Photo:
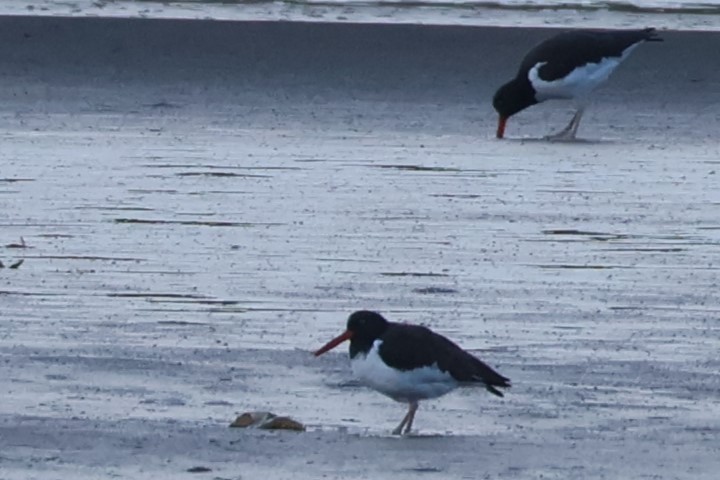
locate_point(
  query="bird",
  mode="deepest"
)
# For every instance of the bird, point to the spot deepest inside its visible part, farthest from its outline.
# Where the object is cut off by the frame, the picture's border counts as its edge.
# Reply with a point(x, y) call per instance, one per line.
point(409, 363)
point(569, 65)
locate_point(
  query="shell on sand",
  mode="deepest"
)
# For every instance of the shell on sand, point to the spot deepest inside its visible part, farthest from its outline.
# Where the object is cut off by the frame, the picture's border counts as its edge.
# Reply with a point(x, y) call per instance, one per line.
point(266, 421)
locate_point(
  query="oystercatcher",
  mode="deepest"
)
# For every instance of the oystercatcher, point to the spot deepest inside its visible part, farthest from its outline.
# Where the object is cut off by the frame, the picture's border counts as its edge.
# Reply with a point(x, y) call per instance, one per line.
point(409, 363)
point(569, 65)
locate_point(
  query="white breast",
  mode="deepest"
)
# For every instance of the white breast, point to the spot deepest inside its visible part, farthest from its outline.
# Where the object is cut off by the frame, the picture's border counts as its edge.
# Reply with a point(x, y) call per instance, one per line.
point(402, 386)
point(580, 82)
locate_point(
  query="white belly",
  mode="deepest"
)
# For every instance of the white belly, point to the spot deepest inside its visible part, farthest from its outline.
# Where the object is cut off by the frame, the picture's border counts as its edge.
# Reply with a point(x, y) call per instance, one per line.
point(402, 386)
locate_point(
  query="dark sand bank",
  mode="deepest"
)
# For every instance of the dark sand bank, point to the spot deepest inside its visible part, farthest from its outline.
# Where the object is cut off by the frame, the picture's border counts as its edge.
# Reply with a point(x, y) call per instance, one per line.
point(202, 204)
point(250, 70)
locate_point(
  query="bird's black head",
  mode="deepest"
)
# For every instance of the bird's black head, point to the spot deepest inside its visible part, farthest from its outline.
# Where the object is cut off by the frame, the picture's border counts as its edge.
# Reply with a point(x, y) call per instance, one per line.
point(514, 96)
point(363, 328)
point(366, 324)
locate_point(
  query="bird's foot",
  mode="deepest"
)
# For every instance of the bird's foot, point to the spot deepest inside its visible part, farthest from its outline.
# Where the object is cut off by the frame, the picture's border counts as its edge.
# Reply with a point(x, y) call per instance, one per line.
point(566, 135)
point(400, 431)
point(403, 425)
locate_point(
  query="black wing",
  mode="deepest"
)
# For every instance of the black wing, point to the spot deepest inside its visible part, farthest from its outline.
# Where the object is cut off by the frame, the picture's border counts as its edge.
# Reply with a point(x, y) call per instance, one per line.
point(567, 51)
point(407, 347)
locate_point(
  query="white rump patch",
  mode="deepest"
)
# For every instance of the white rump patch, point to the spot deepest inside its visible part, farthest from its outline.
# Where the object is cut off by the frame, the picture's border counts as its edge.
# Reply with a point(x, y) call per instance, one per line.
point(402, 386)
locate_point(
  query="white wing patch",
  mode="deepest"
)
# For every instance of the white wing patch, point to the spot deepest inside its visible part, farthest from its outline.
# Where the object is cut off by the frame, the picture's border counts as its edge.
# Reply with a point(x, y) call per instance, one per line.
point(402, 386)
point(580, 82)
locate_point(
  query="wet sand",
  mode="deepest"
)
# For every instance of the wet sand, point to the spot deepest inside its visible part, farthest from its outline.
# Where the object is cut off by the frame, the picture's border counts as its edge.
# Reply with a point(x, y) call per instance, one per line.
point(678, 15)
point(202, 204)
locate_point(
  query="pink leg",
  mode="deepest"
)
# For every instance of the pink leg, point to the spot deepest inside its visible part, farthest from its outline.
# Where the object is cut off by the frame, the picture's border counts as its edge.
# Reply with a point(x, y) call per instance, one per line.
point(407, 420)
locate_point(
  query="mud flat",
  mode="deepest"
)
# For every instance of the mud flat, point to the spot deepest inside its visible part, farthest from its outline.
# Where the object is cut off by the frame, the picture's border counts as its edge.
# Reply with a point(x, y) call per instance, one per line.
point(200, 204)
point(665, 14)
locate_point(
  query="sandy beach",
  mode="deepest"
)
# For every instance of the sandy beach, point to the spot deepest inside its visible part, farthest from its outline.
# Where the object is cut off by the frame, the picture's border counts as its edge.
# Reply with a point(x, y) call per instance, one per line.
point(198, 205)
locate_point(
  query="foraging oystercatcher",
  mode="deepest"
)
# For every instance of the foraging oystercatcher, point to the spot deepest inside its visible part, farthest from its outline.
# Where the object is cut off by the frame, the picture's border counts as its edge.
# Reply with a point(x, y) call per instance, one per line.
point(409, 363)
point(569, 65)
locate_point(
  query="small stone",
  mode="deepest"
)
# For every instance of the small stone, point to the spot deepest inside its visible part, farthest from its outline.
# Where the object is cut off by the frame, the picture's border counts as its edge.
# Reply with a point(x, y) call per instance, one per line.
point(266, 421)
point(250, 419)
point(283, 423)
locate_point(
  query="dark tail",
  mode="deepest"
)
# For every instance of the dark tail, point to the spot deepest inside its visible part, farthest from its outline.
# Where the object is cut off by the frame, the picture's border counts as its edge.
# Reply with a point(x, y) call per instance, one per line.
point(650, 35)
point(490, 378)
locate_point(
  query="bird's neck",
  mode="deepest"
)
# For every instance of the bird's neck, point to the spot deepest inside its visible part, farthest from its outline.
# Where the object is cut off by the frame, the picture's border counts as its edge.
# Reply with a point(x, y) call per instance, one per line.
point(360, 346)
point(524, 90)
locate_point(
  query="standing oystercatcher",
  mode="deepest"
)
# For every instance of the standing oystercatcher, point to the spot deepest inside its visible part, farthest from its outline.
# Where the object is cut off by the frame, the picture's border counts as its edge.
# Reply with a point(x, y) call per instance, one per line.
point(409, 363)
point(569, 65)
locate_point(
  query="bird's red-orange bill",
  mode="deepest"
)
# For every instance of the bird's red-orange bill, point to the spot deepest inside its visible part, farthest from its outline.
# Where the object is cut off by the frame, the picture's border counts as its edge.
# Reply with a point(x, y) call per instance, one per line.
point(346, 335)
point(501, 127)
